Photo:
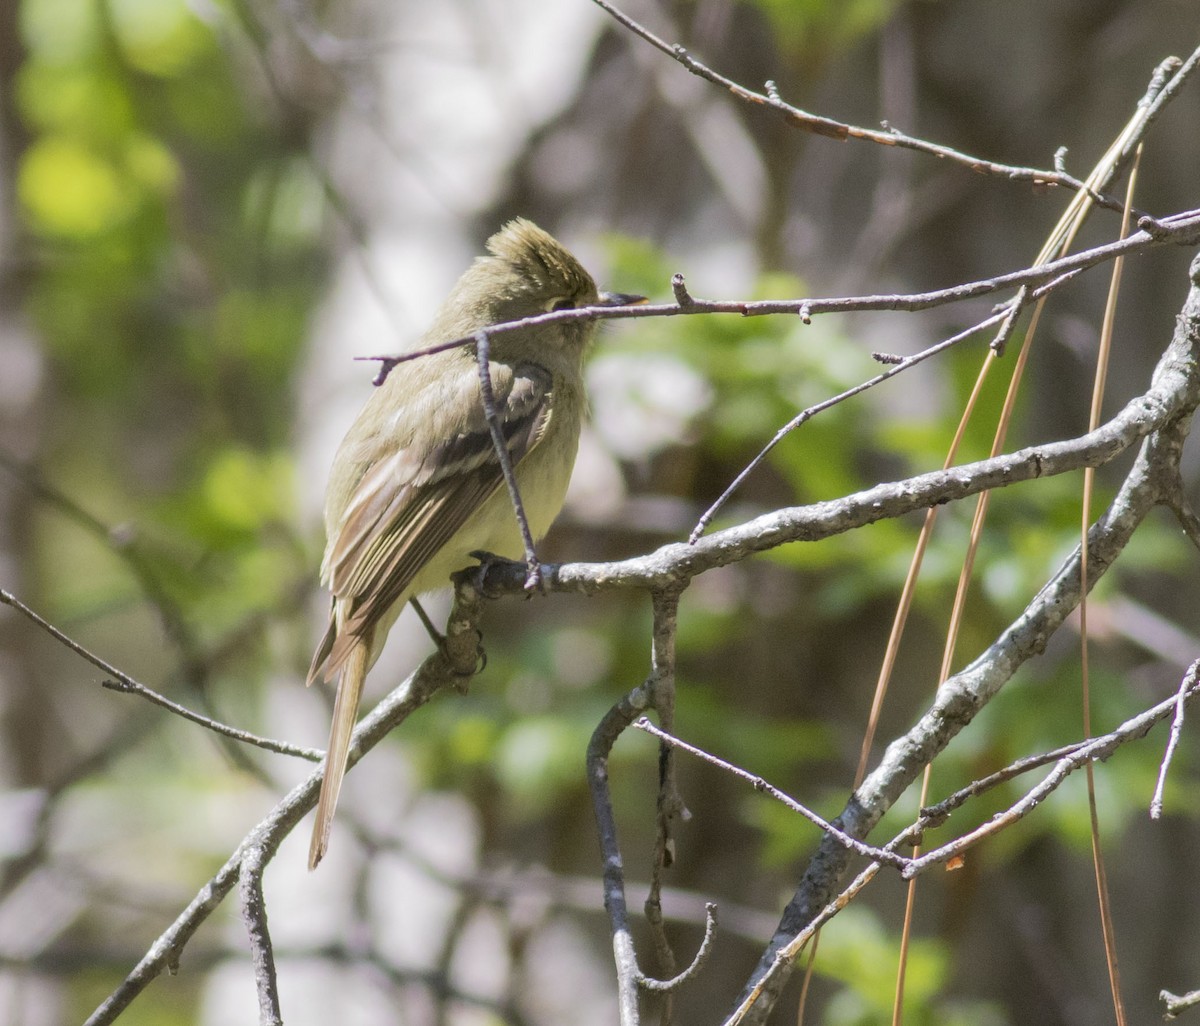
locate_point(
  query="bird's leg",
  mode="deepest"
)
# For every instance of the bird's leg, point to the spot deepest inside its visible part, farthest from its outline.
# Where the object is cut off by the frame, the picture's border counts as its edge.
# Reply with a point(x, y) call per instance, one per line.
point(439, 639)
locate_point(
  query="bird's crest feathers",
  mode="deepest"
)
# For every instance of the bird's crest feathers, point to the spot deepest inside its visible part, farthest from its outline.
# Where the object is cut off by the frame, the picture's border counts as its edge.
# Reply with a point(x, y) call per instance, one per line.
point(536, 255)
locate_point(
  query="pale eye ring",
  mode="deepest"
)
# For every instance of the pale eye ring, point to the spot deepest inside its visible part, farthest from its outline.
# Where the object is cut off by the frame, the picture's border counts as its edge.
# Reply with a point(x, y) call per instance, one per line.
point(562, 303)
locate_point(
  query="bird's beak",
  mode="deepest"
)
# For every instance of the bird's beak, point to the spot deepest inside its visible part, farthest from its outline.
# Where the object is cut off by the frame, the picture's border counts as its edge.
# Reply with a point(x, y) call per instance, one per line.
point(621, 299)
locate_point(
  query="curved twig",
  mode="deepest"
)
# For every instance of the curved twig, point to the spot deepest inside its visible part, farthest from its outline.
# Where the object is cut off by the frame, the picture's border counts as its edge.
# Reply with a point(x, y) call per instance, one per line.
point(1187, 687)
point(702, 953)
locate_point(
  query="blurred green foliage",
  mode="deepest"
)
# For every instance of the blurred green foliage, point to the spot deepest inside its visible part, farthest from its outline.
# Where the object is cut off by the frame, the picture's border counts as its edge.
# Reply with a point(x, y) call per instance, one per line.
point(178, 243)
point(816, 26)
point(858, 950)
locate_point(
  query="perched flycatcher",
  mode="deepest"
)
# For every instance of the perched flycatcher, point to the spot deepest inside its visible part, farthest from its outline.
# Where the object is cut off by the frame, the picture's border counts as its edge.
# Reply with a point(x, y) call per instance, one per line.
point(416, 485)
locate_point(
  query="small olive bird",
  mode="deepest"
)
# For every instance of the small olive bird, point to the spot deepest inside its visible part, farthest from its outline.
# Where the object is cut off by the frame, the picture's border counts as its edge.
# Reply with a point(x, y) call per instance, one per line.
point(417, 485)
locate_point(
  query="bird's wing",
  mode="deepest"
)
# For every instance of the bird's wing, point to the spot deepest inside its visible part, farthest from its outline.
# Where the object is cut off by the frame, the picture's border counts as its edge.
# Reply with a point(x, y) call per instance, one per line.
point(409, 504)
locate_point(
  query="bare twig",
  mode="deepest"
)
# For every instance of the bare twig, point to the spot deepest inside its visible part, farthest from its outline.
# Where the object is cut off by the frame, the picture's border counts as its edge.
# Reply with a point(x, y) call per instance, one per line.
point(702, 953)
point(888, 136)
point(1015, 307)
point(759, 784)
point(533, 574)
point(896, 365)
point(123, 682)
point(1081, 755)
point(669, 804)
point(936, 814)
point(603, 738)
point(1187, 686)
point(1178, 229)
point(680, 291)
point(1174, 1004)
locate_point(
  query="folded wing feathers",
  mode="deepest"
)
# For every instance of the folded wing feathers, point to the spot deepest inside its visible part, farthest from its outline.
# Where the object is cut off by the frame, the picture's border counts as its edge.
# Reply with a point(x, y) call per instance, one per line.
point(403, 511)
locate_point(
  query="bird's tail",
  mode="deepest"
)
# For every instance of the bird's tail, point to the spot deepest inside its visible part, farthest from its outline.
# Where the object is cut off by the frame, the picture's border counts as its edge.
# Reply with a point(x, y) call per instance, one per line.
point(345, 711)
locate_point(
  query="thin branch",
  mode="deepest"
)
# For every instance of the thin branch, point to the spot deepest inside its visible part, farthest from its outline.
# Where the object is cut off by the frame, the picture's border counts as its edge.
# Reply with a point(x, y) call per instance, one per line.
point(759, 784)
point(1006, 317)
point(1085, 754)
point(702, 953)
point(935, 815)
point(669, 804)
point(1179, 229)
point(127, 685)
point(680, 291)
point(1187, 687)
point(896, 366)
point(123, 682)
point(1015, 308)
point(819, 125)
point(533, 574)
point(603, 738)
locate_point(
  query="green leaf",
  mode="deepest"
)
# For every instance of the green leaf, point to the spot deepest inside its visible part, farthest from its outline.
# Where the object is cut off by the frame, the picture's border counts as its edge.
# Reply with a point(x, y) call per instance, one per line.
point(69, 190)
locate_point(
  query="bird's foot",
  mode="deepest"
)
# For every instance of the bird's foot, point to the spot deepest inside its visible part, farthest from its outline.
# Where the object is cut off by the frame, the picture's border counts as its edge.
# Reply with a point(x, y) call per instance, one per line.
point(439, 639)
point(534, 580)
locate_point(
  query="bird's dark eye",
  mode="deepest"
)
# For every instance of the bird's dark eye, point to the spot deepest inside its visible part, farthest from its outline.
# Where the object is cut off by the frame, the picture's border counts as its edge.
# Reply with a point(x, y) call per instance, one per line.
point(561, 304)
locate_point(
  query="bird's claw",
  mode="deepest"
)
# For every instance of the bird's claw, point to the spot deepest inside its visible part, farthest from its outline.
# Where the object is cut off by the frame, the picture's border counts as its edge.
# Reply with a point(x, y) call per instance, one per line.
point(534, 578)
